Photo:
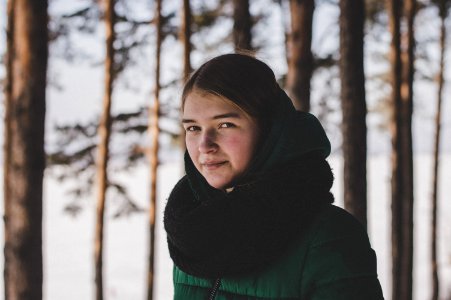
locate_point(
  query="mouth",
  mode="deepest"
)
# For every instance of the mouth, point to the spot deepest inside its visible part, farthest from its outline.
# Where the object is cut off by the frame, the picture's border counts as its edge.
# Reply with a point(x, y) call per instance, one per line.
point(213, 165)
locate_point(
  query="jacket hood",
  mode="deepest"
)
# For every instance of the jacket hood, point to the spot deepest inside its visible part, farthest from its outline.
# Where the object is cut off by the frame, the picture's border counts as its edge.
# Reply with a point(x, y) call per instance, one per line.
point(292, 135)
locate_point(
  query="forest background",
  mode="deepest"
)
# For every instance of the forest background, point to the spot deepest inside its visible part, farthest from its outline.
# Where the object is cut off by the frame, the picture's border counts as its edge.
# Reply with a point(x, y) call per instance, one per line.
point(142, 52)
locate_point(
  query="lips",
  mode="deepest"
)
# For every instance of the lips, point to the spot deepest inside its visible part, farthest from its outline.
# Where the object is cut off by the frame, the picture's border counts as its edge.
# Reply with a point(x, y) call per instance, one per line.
point(213, 165)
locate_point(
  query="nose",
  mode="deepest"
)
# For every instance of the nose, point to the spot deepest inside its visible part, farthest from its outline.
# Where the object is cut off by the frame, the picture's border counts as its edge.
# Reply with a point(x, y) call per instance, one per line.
point(207, 143)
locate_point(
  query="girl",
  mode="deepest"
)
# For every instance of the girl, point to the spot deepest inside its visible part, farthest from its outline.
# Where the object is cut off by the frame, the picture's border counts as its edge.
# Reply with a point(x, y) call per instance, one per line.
point(253, 217)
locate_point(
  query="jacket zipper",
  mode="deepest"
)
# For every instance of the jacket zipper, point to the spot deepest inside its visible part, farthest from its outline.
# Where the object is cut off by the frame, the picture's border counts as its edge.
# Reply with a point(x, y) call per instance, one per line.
point(215, 289)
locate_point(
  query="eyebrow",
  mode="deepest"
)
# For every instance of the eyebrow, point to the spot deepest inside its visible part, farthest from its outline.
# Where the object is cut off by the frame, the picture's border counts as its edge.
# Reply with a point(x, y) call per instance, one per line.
point(221, 116)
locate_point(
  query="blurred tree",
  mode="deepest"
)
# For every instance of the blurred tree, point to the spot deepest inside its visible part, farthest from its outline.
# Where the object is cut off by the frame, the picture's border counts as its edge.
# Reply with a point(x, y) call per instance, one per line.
point(132, 34)
point(242, 36)
point(443, 8)
point(104, 132)
point(75, 143)
point(394, 8)
point(402, 160)
point(7, 151)
point(300, 58)
point(352, 18)
point(286, 28)
point(24, 164)
point(185, 37)
point(154, 132)
point(408, 70)
point(75, 154)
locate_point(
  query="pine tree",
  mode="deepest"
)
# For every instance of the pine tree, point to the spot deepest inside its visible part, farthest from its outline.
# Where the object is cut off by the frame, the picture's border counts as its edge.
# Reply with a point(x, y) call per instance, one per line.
point(300, 67)
point(242, 25)
point(104, 132)
point(402, 158)
point(352, 17)
point(26, 67)
point(154, 131)
point(444, 6)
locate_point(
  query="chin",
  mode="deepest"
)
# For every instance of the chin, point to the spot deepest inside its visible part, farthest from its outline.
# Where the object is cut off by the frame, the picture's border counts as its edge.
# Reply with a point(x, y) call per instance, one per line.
point(220, 185)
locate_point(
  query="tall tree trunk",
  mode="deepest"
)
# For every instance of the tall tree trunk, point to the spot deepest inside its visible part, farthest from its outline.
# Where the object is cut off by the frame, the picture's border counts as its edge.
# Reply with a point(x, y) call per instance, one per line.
point(286, 30)
point(407, 147)
point(26, 67)
point(402, 158)
point(300, 67)
point(154, 131)
point(7, 151)
point(104, 132)
point(242, 25)
point(434, 271)
point(394, 9)
point(352, 17)
point(185, 37)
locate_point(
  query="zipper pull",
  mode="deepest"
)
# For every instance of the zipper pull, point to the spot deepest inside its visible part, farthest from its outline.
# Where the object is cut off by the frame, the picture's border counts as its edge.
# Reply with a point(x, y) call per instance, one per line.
point(215, 289)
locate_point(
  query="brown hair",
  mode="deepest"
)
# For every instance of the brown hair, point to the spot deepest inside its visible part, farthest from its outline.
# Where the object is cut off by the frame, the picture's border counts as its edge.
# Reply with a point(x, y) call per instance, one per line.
point(242, 79)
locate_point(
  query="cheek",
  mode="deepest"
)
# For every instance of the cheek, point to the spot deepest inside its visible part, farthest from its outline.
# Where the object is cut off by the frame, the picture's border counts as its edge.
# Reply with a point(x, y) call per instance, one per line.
point(191, 147)
point(242, 148)
point(234, 142)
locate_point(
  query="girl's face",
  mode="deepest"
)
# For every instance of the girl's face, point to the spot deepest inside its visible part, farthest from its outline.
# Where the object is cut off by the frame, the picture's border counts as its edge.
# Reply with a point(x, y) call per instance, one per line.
point(220, 138)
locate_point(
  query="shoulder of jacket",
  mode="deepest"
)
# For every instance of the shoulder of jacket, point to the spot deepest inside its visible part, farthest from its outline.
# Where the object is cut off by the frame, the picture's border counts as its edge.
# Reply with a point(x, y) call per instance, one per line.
point(180, 277)
point(340, 263)
point(335, 223)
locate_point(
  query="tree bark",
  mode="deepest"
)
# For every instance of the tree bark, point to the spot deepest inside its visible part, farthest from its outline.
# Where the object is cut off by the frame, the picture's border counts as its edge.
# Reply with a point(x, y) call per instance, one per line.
point(300, 67)
point(242, 36)
point(25, 95)
point(154, 131)
point(185, 37)
point(434, 236)
point(407, 148)
point(402, 157)
point(7, 151)
point(286, 30)
point(394, 9)
point(104, 132)
point(352, 17)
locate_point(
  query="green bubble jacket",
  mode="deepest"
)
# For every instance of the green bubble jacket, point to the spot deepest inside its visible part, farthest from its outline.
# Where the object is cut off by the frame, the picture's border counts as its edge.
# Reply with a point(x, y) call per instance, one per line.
point(332, 261)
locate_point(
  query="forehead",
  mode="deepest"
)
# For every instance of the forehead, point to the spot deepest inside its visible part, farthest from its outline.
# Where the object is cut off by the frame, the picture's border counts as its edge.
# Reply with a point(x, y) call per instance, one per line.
point(203, 103)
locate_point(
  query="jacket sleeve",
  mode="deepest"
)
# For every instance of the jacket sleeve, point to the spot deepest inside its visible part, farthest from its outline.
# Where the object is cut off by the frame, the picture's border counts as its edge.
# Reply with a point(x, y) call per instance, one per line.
point(340, 263)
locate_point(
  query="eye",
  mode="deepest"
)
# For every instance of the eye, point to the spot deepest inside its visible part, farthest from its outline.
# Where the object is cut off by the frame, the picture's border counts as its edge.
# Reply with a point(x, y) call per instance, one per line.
point(192, 128)
point(226, 125)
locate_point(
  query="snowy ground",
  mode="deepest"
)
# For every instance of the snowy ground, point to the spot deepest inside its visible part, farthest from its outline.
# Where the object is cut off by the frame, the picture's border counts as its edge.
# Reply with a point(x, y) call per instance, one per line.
point(68, 245)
